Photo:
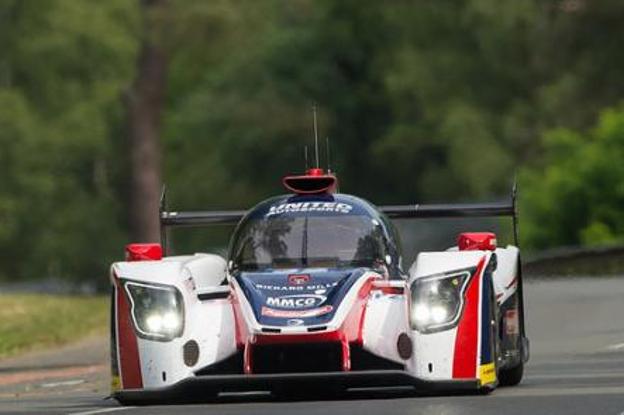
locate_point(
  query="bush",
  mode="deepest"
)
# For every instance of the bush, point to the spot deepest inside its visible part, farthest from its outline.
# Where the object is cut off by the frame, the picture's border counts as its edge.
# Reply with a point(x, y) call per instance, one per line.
point(576, 194)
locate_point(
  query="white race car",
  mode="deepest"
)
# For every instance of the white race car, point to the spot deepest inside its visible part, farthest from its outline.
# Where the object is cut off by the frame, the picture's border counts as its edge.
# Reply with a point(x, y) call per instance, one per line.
point(313, 296)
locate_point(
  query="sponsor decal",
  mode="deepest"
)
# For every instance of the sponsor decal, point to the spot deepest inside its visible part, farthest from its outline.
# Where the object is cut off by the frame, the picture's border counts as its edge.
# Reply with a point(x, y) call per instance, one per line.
point(311, 287)
point(333, 207)
point(296, 301)
point(298, 279)
point(292, 314)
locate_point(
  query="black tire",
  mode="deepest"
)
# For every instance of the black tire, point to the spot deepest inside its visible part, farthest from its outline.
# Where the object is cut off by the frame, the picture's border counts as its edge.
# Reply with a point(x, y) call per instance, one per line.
point(511, 376)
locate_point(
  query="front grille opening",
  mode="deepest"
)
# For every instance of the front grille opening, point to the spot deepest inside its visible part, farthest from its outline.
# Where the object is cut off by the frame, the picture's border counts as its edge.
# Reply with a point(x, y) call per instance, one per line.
point(297, 358)
point(233, 365)
point(364, 360)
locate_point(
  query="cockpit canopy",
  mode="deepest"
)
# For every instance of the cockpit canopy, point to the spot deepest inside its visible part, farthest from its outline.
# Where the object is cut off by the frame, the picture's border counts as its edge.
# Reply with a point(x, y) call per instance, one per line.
point(322, 231)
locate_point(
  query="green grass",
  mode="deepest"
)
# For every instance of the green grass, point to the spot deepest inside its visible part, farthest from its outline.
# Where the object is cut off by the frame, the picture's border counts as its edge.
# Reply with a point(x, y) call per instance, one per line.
point(35, 321)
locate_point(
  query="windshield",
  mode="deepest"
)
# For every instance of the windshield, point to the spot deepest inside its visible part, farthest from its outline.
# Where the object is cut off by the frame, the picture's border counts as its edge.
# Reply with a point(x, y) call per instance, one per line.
point(287, 241)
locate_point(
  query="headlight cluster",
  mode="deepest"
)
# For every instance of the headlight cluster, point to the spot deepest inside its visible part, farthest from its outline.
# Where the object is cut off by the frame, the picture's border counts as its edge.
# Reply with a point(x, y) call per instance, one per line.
point(157, 311)
point(437, 301)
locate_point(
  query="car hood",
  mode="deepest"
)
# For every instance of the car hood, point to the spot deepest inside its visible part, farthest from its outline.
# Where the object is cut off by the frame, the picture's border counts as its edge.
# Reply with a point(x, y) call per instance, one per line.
point(302, 297)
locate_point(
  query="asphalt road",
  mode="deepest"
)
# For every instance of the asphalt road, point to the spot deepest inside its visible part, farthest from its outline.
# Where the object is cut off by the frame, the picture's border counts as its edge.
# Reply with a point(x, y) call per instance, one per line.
point(576, 329)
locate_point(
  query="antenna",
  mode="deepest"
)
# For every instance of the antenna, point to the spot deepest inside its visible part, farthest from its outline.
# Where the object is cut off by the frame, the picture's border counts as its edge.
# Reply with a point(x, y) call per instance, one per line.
point(305, 156)
point(316, 149)
point(328, 159)
point(162, 209)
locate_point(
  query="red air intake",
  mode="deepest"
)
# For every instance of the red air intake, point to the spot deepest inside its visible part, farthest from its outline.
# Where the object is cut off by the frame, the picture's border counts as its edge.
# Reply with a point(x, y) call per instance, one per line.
point(315, 181)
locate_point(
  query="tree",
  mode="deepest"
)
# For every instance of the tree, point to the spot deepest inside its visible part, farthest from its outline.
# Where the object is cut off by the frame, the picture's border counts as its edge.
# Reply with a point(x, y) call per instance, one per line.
point(63, 65)
point(145, 106)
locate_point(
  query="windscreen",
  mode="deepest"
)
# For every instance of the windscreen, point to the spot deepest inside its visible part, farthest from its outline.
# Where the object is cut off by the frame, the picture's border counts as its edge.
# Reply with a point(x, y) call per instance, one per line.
point(302, 241)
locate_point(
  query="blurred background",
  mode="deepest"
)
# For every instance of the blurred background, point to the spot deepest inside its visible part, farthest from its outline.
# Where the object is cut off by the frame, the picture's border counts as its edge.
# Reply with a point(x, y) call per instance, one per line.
point(101, 102)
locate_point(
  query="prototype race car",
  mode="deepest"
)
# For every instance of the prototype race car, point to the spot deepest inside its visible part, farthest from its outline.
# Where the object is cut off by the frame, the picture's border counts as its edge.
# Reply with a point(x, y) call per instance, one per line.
point(313, 296)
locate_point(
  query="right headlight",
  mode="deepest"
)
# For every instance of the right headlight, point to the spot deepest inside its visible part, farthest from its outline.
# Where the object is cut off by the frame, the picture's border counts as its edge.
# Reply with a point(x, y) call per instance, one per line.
point(437, 300)
point(157, 310)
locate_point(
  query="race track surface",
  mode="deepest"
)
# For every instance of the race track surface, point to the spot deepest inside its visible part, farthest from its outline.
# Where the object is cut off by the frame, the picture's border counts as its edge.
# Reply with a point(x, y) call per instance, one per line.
point(576, 328)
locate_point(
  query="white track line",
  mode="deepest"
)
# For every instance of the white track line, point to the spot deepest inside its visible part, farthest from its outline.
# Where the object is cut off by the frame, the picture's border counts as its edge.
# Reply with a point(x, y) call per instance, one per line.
point(72, 382)
point(101, 411)
point(574, 376)
point(615, 347)
point(551, 392)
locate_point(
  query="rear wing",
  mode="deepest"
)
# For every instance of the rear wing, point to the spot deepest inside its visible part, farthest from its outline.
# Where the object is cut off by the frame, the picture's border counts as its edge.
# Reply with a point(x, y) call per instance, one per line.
point(508, 208)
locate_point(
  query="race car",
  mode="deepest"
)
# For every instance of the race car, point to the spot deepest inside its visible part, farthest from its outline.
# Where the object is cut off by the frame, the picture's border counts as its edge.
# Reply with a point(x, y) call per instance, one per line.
point(313, 296)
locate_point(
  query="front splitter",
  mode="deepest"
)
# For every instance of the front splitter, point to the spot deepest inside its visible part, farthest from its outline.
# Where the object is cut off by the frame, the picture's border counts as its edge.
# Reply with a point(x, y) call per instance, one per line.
point(205, 388)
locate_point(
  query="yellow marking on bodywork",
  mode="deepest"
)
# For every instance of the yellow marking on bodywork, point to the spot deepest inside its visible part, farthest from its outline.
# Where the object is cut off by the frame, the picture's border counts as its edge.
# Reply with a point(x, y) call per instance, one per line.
point(115, 383)
point(487, 373)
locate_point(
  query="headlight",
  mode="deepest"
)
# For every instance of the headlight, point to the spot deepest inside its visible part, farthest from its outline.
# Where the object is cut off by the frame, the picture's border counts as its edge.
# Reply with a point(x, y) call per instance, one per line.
point(437, 301)
point(157, 311)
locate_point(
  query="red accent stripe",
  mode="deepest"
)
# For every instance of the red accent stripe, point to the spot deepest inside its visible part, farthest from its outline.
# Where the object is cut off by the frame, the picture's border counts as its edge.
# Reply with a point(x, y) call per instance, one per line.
point(352, 326)
point(241, 332)
point(247, 359)
point(515, 279)
point(467, 338)
point(272, 312)
point(386, 287)
point(346, 354)
point(360, 333)
point(129, 359)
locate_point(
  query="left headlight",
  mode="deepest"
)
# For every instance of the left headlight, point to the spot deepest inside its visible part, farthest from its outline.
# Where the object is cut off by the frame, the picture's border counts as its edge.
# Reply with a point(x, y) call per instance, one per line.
point(157, 311)
point(437, 301)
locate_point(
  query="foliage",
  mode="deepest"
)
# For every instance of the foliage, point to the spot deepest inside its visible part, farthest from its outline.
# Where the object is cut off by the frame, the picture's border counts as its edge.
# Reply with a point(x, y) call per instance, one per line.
point(421, 101)
point(36, 321)
point(574, 196)
point(63, 66)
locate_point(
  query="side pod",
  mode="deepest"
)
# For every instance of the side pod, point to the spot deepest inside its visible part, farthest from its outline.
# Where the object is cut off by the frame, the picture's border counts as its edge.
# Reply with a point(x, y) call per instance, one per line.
point(451, 307)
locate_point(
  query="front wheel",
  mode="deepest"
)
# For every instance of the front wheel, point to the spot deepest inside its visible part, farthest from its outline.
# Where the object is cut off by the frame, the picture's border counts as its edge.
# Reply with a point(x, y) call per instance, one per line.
point(513, 375)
